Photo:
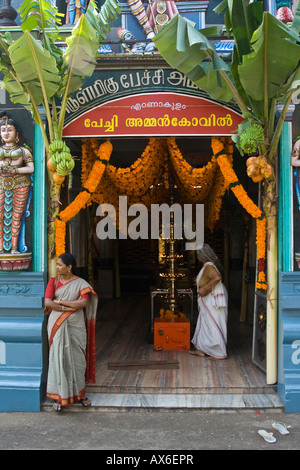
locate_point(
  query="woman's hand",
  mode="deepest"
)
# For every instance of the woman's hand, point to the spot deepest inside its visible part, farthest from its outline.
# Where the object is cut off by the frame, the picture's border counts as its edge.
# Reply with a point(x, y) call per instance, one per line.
point(47, 310)
point(203, 291)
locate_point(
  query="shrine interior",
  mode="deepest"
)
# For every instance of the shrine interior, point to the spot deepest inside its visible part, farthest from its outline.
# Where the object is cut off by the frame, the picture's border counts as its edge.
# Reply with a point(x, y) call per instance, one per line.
point(128, 274)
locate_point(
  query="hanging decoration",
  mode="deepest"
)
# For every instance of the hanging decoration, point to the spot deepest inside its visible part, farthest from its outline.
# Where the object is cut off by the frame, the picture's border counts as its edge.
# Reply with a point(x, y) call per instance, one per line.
point(195, 182)
point(214, 201)
point(81, 200)
point(252, 209)
point(146, 182)
point(143, 182)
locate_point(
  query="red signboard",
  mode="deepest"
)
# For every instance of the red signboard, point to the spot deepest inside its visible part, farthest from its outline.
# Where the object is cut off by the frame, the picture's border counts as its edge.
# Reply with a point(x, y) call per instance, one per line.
point(155, 114)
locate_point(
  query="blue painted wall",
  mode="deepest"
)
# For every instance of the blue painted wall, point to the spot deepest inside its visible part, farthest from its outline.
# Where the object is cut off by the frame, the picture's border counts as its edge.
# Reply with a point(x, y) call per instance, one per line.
point(21, 341)
point(289, 341)
point(288, 282)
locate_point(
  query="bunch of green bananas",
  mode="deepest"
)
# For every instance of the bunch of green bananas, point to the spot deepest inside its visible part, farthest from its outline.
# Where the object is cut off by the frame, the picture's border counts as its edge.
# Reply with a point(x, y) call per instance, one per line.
point(252, 138)
point(61, 157)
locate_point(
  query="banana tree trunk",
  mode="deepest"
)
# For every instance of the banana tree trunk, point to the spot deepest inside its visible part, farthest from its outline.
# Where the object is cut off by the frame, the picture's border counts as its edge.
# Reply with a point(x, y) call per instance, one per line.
point(270, 207)
point(53, 211)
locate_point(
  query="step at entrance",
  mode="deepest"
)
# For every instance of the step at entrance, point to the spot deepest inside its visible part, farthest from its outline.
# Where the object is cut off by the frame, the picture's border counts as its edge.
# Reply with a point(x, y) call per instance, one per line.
point(120, 401)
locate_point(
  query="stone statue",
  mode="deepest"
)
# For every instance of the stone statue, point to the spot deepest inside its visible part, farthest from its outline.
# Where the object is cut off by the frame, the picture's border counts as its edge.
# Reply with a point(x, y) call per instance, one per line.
point(16, 166)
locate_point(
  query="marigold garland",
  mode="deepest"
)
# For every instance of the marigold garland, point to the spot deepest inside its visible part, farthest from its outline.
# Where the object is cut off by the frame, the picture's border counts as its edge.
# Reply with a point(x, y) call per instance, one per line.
point(248, 204)
point(195, 182)
point(261, 250)
point(81, 200)
point(142, 183)
point(217, 192)
point(145, 190)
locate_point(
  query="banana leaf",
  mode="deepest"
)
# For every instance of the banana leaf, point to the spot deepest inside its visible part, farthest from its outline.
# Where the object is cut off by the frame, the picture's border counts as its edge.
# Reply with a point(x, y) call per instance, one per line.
point(43, 16)
point(81, 54)
point(188, 50)
point(39, 14)
point(35, 68)
point(106, 17)
point(242, 19)
point(275, 57)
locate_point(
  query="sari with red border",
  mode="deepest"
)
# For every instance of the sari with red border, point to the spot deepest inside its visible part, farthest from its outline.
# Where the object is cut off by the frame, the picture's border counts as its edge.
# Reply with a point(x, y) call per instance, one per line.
point(74, 290)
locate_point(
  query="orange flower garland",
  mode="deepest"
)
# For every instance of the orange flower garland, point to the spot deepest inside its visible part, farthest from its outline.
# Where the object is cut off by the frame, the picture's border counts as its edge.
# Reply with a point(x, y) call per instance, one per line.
point(196, 182)
point(221, 185)
point(146, 182)
point(83, 197)
point(248, 204)
point(261, 251)
point(145, 189)
point(138, 178)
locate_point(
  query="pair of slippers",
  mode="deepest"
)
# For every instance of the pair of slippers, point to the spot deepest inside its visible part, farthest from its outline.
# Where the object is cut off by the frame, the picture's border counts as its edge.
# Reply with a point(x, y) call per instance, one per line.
point(268, 436)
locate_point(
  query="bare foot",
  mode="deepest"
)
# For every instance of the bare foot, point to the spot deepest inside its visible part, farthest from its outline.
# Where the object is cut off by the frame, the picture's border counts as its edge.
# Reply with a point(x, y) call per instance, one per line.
point(197, 352)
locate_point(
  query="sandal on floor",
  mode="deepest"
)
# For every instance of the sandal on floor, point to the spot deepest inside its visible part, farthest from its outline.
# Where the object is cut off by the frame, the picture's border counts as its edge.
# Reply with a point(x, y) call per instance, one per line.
point(267, 436)
point(281, 427)
point(57, 407)
point(85, 402)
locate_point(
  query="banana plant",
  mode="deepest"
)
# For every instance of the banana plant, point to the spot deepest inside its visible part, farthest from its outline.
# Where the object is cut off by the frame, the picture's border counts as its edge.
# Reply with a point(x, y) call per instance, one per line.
point(40, 76)
point(263, 72)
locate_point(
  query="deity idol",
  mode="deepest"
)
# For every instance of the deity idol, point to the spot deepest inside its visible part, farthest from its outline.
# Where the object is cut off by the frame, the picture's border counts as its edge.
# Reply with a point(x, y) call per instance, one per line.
point(152, 21)
point(283, 11)
point(156, 17)
point(16, 165)
point(75, 8)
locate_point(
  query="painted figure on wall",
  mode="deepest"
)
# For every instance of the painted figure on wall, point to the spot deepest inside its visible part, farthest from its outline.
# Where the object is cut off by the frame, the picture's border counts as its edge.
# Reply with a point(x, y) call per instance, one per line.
point(284, 11)
point(75, 8)
point(295, 162)
point(155, 17)
point(16, 166)
point(152, 20)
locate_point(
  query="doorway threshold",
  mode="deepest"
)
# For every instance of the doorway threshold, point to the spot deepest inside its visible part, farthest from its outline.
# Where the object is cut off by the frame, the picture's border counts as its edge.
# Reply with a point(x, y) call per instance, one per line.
point(179, 402)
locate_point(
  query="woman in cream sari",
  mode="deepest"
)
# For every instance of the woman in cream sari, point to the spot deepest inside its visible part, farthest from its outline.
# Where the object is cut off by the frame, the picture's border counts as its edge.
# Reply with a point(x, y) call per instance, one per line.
point(210, 337)
point(71, 304)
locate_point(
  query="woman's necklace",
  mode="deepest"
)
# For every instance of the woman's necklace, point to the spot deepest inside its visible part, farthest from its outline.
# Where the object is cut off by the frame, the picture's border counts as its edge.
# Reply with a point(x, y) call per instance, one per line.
point(65, 280)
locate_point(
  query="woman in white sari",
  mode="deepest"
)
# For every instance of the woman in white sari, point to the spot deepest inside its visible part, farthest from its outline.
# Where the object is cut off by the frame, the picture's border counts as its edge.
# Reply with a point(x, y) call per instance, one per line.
point(210, 336)
point(71, 304)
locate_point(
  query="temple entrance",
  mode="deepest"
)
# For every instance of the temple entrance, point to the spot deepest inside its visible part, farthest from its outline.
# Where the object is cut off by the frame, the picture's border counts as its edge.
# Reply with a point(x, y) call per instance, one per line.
point(126, 272)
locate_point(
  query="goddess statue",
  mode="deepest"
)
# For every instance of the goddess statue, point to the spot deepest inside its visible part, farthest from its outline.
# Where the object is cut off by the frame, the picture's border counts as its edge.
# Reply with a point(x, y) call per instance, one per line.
point(295, 162)
point(16, 166)
point(283, 11)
